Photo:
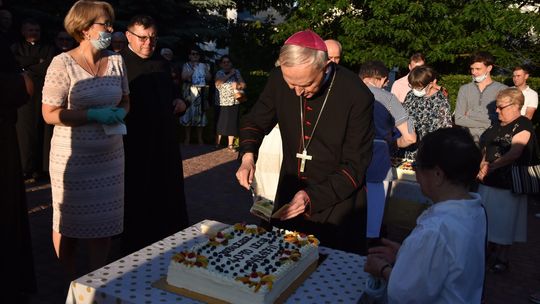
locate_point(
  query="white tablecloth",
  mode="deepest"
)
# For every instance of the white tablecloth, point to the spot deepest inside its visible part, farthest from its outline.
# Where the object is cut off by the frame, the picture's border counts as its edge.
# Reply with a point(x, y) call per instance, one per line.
point(339, 279)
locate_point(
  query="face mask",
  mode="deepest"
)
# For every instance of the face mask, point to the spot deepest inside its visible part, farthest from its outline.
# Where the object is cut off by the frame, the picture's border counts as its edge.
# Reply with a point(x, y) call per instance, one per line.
point(480, 78)
point(102, 42)
point(420, 93)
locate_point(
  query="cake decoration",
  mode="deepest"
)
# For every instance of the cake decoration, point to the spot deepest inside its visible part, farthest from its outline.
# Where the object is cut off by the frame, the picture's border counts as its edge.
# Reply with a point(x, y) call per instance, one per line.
point(257, 279)
point(289, 256)
point(191, 259)
point(301, 239)
point(220, 239)
point(247, 228)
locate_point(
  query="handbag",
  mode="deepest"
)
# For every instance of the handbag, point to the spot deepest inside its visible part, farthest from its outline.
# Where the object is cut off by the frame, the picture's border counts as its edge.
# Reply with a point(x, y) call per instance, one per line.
point(240, 95)
point(526, 178)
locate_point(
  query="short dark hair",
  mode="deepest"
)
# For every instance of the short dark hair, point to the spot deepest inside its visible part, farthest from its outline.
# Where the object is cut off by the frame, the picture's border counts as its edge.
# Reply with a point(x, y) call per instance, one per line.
point(144, 20)
point(483, 57)
point(373, 69)
point(225, 57)
point(452, 150)
point(420, 76)
point(522, 67)
point(416, 57)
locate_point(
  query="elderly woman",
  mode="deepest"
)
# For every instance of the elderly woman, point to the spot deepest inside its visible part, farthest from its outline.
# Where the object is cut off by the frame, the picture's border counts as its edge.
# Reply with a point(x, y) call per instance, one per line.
point(228, 82)
point(427, 104)
point(196, 76)
point(85, 97)
point(442, 260)
point(504, 144)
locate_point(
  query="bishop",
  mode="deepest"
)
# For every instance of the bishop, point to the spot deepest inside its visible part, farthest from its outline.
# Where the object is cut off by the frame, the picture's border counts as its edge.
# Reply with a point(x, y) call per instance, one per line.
point(327, 198)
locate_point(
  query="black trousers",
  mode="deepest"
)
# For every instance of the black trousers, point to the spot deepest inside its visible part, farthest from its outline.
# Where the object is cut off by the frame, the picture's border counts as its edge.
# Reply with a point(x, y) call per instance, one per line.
point(30, 133)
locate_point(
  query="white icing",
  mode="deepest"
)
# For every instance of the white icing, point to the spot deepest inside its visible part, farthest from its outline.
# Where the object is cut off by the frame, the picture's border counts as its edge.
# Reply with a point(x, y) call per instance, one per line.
point(302, 238)
point(253, 227)
point(192, 259)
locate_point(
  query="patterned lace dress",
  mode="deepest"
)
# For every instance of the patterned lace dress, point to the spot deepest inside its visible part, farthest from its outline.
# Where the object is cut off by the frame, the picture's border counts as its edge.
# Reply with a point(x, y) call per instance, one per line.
point(86, 165)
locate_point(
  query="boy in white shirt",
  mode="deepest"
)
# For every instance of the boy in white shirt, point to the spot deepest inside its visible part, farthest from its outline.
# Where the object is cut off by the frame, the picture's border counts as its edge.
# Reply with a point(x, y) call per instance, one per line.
point(519, 77)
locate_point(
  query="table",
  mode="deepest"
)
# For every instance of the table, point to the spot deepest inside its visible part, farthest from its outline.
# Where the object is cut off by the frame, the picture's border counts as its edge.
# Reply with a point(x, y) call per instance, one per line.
point(339, 279)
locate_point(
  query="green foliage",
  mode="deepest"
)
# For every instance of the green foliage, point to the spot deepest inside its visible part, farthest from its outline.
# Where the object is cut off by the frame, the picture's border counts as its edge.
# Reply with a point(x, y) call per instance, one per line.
point(282, 6)
point(255, 81)
point(251, 47)
point(447, 31)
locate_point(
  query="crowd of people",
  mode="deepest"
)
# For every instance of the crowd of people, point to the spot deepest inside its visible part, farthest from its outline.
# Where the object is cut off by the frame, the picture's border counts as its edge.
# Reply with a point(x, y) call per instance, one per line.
point(99, 112)
point(326, 165)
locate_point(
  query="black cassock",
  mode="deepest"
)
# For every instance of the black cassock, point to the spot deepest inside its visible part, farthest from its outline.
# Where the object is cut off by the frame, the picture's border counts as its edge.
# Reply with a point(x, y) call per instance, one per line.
point(34, 136)
point(340, 148)
point(155, 205)
point(17, 261)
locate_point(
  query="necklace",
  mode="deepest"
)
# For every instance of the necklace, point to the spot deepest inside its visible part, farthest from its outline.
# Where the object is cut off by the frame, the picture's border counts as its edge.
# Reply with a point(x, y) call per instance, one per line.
point(304, 156)
point(88, 65)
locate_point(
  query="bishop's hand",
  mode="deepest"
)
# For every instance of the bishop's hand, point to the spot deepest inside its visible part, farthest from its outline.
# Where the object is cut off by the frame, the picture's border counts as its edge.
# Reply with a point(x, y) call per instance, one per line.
point(246, 171)
point(296, 207)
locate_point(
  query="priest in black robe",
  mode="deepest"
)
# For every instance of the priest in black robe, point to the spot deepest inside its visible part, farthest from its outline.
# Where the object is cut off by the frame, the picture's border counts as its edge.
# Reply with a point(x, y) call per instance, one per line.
point(34, 56)
point(325, 116)
point(17, 261)
point(154, 206)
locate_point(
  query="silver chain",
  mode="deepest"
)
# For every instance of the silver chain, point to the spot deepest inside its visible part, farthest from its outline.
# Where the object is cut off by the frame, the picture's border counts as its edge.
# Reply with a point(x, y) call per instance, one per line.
point(304, 145)
point(88, 65)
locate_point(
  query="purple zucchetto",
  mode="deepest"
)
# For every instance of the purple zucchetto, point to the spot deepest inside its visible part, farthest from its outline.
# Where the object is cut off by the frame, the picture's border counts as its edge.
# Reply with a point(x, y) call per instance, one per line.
point(307, 39)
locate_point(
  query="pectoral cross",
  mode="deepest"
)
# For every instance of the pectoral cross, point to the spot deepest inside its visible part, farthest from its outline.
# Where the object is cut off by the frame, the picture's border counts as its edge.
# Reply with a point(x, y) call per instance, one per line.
point(304, 156)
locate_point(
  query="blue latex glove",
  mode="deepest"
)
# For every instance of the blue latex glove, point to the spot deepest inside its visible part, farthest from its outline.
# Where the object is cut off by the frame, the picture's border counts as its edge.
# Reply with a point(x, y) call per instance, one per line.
point(120, 114)
point(106, 116)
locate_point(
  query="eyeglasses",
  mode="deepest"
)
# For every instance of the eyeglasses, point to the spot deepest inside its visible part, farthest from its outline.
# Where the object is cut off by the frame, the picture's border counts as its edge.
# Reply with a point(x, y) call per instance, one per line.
point(143, 39)
point(503, 107)
point(105, 24)
point(194, 54)
point(64, 38)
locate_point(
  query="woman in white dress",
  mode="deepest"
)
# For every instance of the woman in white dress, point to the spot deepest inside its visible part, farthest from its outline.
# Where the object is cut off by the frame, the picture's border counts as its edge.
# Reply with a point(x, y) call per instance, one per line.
point(196, 76)
point(85, 93)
